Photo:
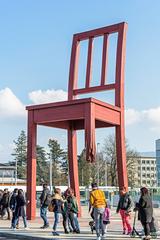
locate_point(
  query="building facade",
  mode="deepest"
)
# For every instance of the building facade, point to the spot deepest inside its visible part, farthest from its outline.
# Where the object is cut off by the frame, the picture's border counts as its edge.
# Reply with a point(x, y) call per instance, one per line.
point(8, 176)
point(146, 171)
point(158, 160)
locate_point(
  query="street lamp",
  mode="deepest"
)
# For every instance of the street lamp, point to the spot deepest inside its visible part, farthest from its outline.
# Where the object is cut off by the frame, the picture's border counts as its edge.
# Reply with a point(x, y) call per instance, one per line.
point(50, 174)
point(106, 173)
point(16, 172)
point(98, 163)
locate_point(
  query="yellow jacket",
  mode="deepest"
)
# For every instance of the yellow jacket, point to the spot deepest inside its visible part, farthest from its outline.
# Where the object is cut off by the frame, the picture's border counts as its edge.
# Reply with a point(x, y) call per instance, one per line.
point(97, 198)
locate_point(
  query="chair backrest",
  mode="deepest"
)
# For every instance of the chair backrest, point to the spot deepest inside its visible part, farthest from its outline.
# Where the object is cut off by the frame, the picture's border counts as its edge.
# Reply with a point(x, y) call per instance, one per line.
point(118, 86)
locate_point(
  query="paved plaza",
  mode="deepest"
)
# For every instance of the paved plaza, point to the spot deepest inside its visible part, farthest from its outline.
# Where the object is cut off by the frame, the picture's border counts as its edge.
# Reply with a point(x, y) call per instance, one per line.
point(34, 232)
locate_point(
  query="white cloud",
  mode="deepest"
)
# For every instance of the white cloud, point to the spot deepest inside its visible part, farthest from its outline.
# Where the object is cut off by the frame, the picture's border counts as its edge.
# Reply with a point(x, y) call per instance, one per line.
point(153, 115)
point(150, 116)
point(10, 105)
point(132, 116)
point(39, 96)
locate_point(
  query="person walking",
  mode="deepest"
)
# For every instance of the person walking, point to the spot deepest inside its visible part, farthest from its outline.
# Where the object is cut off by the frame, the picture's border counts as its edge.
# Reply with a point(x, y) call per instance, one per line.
point(13, 204)
point(20, 210)
point(124, 207)
point(145, 210)
point(44, 203)
point(73, 210)
point(98, 203)
point(5, 204)
point(57, 203)
point(106, 217)
point(1, 196)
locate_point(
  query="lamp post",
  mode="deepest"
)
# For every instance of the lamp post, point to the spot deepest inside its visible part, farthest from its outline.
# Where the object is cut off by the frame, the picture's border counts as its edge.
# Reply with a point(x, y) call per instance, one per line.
point(50, 174)
point(98, 163)
point(106, 173)
point(16, 172)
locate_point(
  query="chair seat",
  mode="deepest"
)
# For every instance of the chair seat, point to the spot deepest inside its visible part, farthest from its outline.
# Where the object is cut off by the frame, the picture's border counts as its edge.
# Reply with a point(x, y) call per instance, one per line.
point(59, 114)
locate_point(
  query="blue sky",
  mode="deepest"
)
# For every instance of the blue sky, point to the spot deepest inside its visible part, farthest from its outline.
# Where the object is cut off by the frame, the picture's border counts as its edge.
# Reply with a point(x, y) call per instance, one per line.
point(35, 45)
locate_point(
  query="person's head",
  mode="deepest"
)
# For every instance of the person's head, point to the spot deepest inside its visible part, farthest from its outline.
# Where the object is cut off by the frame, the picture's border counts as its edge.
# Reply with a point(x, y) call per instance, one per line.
point(57, 190)
point(144, 191)
point(15, 191)
point(69, 192)
point(94, 186)
point(123, 190)
point(45, 185)
point(20, 192)
point(6, 190)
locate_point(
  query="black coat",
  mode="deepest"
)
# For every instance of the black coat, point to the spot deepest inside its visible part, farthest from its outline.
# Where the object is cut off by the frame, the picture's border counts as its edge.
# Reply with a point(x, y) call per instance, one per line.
point(5, 200)
point(145, 209)
point(43, 197)
point(20, 210)
point(125, 203)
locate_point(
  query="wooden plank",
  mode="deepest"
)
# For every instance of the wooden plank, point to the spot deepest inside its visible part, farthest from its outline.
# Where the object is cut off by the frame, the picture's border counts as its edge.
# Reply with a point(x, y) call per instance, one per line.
point(94, 89)
point(31, 167)
point(59, 114)
point(107, 115)
point(89, 62)
point(98, 32)
point(104, 59)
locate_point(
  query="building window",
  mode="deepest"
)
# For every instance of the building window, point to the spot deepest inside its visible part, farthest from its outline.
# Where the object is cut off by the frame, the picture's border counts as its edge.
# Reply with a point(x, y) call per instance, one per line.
point(147, 162)
point(143, 162)
point(148, 168)
point(143, 168)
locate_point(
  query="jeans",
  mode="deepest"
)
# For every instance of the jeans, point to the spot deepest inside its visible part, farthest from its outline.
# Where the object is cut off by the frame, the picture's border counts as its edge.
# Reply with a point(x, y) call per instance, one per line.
point(43, 214)
point(76, 221)
point(17, 219)
point(56, 220)
point(98, 217)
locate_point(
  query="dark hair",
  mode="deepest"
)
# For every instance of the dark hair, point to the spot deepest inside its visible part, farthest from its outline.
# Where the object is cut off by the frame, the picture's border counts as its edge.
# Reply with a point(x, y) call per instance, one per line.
point(94, 185)
point(144, 190)
point(45, 185)
point(15, 190)
point(20, 191)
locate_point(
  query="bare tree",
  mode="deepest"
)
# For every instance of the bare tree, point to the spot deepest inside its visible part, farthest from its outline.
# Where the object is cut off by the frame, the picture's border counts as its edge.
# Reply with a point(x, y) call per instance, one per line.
point(109, 151)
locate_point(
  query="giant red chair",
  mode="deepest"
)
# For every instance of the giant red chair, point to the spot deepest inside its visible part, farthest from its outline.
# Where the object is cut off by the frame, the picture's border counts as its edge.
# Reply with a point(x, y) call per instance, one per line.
point(86, 113)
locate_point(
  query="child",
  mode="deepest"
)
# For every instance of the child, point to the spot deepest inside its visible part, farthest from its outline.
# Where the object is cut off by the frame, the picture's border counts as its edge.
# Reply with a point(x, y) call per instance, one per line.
point(106, 217)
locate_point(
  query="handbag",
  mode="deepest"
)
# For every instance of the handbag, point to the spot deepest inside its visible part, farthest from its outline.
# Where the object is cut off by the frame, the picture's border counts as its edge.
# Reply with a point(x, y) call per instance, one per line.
point(51, 207)
point(106, 222)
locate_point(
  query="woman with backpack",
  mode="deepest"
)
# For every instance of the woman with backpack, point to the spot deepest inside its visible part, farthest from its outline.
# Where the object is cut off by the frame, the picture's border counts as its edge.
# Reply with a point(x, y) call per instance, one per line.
point(57, 203)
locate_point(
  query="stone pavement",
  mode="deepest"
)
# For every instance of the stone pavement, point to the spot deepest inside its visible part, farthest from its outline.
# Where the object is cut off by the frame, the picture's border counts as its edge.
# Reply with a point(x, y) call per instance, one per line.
point(35, 233)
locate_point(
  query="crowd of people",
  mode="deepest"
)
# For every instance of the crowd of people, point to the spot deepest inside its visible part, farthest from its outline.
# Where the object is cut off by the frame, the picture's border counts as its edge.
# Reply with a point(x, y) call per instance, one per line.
point(13, 203)
point(100, 211)
point(65, 205)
